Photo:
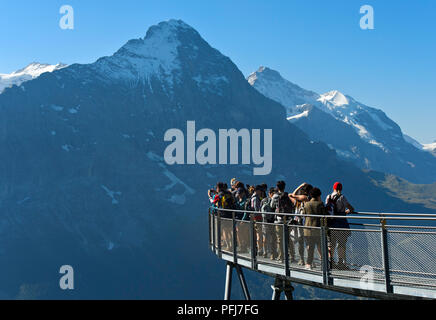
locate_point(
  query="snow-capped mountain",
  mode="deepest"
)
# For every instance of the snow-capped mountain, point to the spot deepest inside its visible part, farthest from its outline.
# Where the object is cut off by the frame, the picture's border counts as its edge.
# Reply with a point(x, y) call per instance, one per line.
point(269, 81)
point(32, 71)
point(84, 183)
point(156, 55)
point(358, 133)
point(372, 125)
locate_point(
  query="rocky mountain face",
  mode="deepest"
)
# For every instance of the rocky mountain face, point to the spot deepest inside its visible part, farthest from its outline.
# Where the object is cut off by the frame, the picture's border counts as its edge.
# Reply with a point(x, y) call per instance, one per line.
point(84, 182)
point(359, 134)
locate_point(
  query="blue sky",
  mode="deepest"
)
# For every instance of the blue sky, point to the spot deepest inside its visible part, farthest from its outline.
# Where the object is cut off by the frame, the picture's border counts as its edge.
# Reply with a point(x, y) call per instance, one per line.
point(316, 44)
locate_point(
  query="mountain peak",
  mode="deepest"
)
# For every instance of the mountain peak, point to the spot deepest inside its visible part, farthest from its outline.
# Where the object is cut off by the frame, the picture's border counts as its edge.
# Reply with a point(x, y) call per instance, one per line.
point(164, 33)
point(266, 73)
point(169, 25)
point(157, 54)
point(334, 97)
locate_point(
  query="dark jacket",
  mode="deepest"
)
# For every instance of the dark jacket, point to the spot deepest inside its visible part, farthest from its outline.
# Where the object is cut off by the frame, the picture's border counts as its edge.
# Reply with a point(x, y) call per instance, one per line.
point(313, 207)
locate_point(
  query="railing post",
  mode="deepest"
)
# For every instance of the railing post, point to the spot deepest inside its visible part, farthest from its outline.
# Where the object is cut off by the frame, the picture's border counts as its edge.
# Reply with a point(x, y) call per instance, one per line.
point(210, 226)
point(234, 240)
point(213, 231)
point(324, 252)
point(385, 256)
point(286, 246)
point(219, 233)
point(253, 243)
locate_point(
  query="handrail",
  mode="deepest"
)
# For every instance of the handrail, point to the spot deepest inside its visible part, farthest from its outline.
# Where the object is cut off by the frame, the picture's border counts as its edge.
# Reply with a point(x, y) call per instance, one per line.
point(351, 215)
point(398, 214)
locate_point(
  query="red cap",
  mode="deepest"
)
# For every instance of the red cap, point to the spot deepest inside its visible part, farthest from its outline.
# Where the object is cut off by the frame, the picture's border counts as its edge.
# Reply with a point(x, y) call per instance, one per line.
point(337, 186)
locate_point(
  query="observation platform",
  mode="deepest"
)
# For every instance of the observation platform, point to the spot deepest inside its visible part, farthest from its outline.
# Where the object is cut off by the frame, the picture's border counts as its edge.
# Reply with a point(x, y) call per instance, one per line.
point(387, 255)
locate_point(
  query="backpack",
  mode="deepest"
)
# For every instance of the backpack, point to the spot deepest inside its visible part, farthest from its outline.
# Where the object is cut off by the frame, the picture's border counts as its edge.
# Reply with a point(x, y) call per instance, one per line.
point(331, 204)
point(332, 210)
point(227, 201)
point(256, 215)
point(266, 207)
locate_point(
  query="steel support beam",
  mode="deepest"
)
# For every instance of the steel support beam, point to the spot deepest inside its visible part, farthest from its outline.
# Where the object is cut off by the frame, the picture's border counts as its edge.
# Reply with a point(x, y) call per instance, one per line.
point(243, 282)
point(228, 287)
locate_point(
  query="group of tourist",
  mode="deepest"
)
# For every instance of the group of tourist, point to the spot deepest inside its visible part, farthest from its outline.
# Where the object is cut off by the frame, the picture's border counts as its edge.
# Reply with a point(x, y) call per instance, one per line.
point(272, 208)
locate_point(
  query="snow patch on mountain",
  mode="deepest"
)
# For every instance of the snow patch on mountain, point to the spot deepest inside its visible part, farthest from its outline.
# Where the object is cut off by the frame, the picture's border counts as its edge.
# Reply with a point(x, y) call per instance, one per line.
point(345, 154)
point(57, 108)
point(429, 147)
point(176, 198)
point(111, 194)
point(335, 98)
point(298, 116)
point(66, 147)
point(110, 245)
point(31, 71)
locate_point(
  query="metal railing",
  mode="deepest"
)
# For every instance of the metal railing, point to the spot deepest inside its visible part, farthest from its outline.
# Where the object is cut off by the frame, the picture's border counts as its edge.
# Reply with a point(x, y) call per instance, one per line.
point(380, 256)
